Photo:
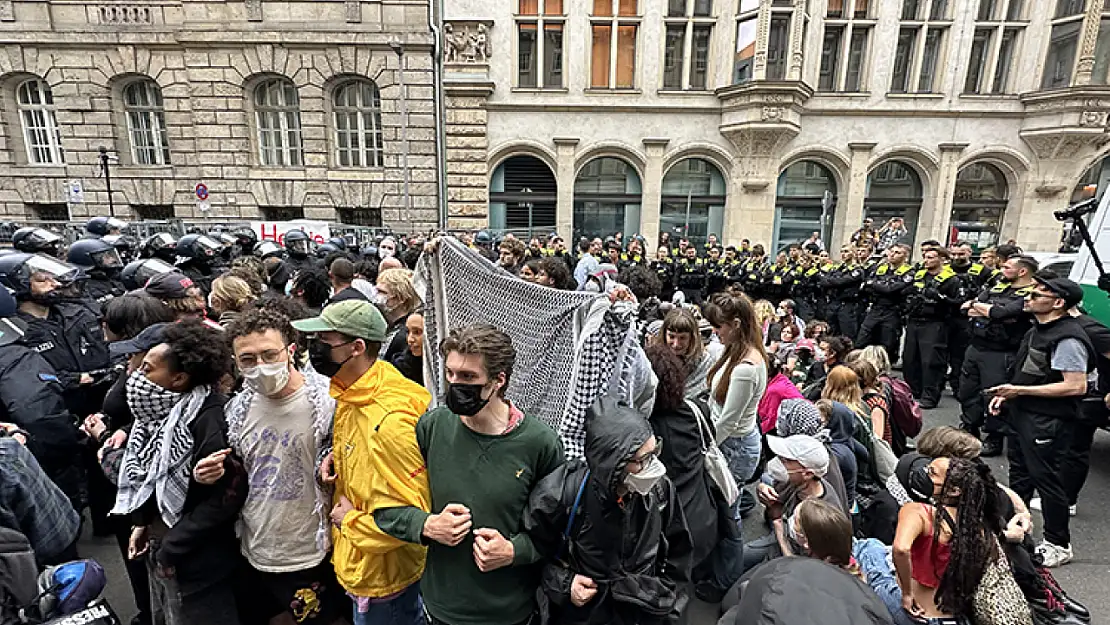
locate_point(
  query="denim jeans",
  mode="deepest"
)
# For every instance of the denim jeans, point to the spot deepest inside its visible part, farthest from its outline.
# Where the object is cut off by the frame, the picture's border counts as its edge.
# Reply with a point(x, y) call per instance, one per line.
point(404, 609)
point(871, 556)
point(742, 454)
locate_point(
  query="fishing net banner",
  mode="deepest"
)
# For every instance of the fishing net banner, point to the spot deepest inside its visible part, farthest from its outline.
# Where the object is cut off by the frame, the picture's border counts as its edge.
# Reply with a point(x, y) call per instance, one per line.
point(570, 346)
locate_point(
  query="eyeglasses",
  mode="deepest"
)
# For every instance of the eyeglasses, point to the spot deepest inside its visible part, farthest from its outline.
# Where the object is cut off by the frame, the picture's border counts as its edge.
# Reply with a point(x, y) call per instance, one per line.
point(270, 356)
point(645, 459)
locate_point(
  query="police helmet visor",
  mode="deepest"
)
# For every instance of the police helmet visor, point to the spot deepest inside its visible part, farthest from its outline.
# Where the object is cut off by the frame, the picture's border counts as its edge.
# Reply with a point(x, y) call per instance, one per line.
point(40, 238)
point(107, 259)
point(267, 248)
point(45, 267)
point(227, 238)
point(298, 246)
point(151, 267)
point(115, 224)
point(160, 240)
point(208, 246)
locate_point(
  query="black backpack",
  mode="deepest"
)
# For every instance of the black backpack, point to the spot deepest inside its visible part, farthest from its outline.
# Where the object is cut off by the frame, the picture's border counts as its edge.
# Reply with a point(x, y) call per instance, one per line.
point(18, 575)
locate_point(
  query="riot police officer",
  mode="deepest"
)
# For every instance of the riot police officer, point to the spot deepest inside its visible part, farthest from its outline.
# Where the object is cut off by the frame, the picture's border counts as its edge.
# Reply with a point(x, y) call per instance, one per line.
point(298, 247)
point(246, 239)
point(974, 277)
point(690, 274)
point(716, 272)
point(160, 245)
point(37, 241)
point(198, 254)
point(102, 264)
point(886, 288)
point(997, 325)
point(634, 255)
point(60, 327)
point(778, 279)
point(136, 273)
point(935, 294)
point(103, 226)
point(125, 244)
point(843, 284)
point(754, 267)
point(664, 269)
point(806, 289)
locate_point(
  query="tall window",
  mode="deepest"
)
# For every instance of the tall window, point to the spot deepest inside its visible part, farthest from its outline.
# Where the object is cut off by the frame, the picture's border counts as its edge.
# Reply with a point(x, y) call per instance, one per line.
point(607, 198)
point(358, 124)
point(686, 58)
point(522, 196)
point(40, 127)
point(994, 46)
point(800, 203)
point(146, 123)
point(693, 200)
point(747, 20)
point(278, 114)
point(614, 25)
point(540, 44)
point(1101, 75)
point(978, 205)
point(844, 52)
point(1067, 23)
point(919, 54)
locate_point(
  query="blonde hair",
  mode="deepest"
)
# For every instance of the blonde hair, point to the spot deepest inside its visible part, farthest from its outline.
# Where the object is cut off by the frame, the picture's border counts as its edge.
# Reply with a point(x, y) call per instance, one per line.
point(948, 441)
point(842, 385)
point(764, 312)
point(231, 293)
point(877, 357)
point(399, 282)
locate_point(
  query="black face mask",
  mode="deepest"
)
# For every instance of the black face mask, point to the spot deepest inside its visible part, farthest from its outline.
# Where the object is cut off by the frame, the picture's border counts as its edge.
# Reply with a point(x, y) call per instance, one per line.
point(465, 400)
point(319, 354)
point(913, 473)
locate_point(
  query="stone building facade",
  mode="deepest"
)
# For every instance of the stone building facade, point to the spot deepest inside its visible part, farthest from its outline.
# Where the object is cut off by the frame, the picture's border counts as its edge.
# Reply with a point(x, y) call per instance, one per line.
point(283, 109)
point(771, 119)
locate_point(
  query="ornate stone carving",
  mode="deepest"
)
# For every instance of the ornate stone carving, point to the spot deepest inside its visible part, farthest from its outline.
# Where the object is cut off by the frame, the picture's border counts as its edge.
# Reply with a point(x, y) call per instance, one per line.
point(254, 10)
point(122, 14)
point(1093, 119)
point(772, 113)
point(466, 42)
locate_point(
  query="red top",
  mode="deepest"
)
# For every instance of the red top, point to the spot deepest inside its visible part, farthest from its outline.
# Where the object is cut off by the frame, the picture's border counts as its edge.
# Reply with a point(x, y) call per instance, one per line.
point(929, 560)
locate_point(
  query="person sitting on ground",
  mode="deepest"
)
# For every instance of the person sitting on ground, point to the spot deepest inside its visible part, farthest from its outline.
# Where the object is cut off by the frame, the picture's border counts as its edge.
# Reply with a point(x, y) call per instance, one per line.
point(779, 388)
point(835, 350)
point(874, 398)
point(799, 416)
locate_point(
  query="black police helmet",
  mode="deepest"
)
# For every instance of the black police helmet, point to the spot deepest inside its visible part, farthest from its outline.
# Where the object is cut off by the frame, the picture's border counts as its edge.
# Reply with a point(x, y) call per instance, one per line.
point(94, 254)
point(483, 238)
point(16, 271)
point(297, 243)
point(339, 242)
point(268, 249)
point(197, 247)
point(327, 248)
point(137, 272)
point(101, 226)
point(246, 237)
point(32, 240)
point(161, 245)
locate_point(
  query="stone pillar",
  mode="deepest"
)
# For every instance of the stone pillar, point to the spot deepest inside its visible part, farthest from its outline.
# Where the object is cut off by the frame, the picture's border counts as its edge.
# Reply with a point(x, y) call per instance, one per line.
point(934, 218)
point(466, 88)
point(849, 204)
point(565, 148)
point(652, 192)
point(1088, 42)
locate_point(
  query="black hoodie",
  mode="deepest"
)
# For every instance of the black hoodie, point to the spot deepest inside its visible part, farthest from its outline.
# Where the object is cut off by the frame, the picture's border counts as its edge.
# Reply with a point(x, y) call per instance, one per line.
point(637, 549)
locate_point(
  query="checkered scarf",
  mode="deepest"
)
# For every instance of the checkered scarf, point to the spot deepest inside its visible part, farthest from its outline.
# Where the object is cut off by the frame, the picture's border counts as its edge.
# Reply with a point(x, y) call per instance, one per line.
point(158, 448)
point(798, 416)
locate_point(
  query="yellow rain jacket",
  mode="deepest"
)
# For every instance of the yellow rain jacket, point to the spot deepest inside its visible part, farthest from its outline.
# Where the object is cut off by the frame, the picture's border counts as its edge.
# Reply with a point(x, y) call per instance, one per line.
point(379, 465)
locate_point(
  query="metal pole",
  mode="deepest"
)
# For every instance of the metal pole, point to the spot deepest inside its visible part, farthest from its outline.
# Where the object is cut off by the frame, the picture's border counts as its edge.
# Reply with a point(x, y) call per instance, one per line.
point(400, 50)
point(107, 179)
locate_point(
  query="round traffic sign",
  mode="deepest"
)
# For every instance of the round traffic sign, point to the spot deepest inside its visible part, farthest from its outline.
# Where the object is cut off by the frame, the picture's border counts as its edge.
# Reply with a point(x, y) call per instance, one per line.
point(202, 191)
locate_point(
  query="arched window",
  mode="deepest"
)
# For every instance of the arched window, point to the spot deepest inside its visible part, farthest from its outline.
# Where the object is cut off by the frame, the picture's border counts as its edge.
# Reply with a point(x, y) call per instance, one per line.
point(893, 190)
point(1094, 182)
point(978, 205)
point(693, 201)
point(146, 123)
point(804, 203)
point(358, 124)
point(522, 197)
point(607, 198)
point(40, 126)
point(278, 115)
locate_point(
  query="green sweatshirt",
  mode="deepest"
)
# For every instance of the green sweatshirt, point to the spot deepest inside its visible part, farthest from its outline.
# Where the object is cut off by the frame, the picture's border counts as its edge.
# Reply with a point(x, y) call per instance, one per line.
point(493, 477)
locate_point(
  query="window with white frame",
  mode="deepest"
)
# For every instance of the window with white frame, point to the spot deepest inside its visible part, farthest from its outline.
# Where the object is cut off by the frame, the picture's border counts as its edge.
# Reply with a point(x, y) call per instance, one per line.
point(357, 106)
point(278, 115)
point(1101, 75)
point(778, 40)
point(689, 29)
point(998, 27)
point(919, 53)
point(848, 28)
point(747, 21)
point(539, 27)
point(1063, 44)
point(40, 127)
point(146, 123)
point(614, 26)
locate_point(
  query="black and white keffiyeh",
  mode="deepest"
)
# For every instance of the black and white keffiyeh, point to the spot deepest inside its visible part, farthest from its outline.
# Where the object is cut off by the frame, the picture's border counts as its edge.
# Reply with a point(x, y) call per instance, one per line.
point(158, 448)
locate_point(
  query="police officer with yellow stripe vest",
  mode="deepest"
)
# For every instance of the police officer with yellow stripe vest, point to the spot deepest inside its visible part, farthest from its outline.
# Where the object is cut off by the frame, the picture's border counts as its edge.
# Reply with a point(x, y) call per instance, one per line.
point(997, 325)
point(886, 287)
point(935, 294)
point(974, 277)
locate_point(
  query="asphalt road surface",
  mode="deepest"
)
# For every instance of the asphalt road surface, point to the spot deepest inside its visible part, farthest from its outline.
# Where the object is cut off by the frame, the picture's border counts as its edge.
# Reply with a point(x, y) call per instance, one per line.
point(1087, 578)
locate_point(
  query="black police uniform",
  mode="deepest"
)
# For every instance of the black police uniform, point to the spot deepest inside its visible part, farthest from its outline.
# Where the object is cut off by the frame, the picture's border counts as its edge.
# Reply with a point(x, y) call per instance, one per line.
point(932, 299)
point(806, 291)
point(974, 276)
point(102, 288)
point(843, 312)
point(690, 278)
point(71, 340)
point(778, 282)
point(752, 280)
point(716, 276)
point(994, 343)
point(664, 270)
point(886, 288)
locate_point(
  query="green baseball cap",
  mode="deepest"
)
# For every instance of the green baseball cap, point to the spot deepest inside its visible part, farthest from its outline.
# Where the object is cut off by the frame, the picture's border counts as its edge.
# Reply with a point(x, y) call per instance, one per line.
point(356, 318)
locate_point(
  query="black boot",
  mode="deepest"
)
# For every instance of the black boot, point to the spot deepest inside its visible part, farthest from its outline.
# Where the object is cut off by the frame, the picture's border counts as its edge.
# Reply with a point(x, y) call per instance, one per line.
point(992, 446)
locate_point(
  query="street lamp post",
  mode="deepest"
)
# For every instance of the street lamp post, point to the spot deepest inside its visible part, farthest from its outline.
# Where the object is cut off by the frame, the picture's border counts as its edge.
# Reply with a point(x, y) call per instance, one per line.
point(106, 168)
point(400, 51)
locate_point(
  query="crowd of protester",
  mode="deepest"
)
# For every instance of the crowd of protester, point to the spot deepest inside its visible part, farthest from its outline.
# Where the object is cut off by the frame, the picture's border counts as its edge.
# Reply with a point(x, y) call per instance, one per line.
point(250, 422)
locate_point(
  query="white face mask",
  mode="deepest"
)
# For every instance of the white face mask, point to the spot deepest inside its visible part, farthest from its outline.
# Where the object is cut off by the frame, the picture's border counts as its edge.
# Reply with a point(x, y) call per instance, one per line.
point(380, 299)
point(267, 378)
point(776, 470)
point(645, 480)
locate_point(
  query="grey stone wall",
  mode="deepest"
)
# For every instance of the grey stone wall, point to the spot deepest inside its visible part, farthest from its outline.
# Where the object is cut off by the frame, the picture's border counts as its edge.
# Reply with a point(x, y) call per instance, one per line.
point(206, 57)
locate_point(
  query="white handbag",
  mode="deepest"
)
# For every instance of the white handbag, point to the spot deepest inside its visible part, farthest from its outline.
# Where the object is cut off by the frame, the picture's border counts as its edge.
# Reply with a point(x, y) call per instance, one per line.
point(715, 464)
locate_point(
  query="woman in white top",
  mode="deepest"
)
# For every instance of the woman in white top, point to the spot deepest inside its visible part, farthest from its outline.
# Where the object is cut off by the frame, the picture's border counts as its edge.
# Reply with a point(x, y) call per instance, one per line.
point(737, 381)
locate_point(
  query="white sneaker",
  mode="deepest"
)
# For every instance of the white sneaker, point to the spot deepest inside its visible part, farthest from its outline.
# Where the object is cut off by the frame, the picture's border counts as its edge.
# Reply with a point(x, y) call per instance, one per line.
point(1054, 555)
point(1035, 504)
